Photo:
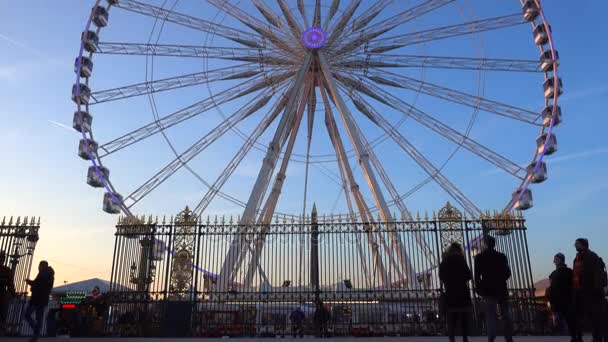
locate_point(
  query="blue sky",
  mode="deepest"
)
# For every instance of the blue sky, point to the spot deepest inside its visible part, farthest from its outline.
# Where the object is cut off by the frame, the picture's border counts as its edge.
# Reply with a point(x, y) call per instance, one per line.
point(42, 175)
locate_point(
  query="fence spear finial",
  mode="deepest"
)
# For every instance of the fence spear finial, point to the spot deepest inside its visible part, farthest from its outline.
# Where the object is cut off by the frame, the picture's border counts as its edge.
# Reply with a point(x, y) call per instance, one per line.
point(18, 221)
point(3, 220)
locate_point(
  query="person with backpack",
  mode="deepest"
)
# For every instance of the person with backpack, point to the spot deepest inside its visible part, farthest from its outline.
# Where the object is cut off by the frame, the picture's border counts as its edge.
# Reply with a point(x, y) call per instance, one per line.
point(492, 272)
point(41, 288)
point(561, 296)
point(589, 289)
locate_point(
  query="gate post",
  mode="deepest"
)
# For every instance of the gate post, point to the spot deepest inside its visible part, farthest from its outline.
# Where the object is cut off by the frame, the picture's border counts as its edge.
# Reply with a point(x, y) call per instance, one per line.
point(314, 253)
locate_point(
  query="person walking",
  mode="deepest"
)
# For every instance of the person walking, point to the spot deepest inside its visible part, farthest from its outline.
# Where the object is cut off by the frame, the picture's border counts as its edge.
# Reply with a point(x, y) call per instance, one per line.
point(561, 296)
point(41, 288)
point(297, 318)
point(7, 292)
point(491, 274)
point(455, 275)
point(589, 291)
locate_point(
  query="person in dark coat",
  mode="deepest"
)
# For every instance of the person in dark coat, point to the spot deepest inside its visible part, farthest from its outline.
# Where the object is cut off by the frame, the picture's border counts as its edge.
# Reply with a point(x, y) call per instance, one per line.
point(589, 291)
point(455, 275)
point(7, 291)
point(297, 318)
point(321, 318)
point(41, 290)
point(561, 296)
point(491, 274)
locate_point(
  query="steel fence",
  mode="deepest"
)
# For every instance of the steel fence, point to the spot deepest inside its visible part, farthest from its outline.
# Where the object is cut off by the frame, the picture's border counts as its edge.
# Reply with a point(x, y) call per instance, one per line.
point(377, 278)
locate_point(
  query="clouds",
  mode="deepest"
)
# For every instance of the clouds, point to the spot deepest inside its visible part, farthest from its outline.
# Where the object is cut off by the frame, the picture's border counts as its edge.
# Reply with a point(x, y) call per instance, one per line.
point(8, 73)
point(21, 45)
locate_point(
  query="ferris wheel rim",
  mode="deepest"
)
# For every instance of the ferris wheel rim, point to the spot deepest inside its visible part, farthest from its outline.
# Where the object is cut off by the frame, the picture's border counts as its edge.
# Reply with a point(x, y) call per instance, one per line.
point(537, 158)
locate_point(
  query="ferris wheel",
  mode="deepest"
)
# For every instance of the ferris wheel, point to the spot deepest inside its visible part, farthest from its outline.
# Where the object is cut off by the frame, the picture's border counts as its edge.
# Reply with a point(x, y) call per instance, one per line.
point(349, 74)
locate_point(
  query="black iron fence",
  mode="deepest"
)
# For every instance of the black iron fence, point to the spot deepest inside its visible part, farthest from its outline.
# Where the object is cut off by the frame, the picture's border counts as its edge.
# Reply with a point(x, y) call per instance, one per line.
point(182, 277)
point(18, 238)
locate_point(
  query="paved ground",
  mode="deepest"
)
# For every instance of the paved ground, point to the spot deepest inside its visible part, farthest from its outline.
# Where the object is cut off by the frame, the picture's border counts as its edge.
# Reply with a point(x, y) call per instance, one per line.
point(342, 339)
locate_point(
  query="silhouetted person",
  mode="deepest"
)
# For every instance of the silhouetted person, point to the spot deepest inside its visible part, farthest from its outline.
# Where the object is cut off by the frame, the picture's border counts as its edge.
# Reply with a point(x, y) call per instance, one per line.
point(491, 274)
point(7, 291)
point(455, 274)
point(321, 318)
point(297, 318)
point(41, 288)
point(588, 272)
point(561, 296)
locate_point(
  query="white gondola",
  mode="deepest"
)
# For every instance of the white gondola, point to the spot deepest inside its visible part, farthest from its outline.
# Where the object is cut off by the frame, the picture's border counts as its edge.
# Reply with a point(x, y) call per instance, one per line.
point(90, 40)
point(540, 175)
point(82, 121)
point(100, 16)
point(86, 66)
point(530, 10)
point(551, 88)
point(540, 34)
point(83, 96)
point(93, 178)
point(551, 144)
point(548, 115)
point(524, 201)
point(546, 60)
point(109, 206)
point(84, 147)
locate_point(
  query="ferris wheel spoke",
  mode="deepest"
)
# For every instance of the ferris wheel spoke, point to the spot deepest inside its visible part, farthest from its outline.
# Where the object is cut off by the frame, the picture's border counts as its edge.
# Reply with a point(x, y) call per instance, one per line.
point(338, 28)
point(400, 81)
point(377, 60)
point(198, 147)
point(269, 162)
point(316, 19)
point(333, 9)
point(242, 89)
point(269, 207)
point(215, 188)
point(440, 128)
point(292, 22)
point(227, 73)
point(345, 168)
point(395, 42)
point(169, 50)
point(235, 35)
point(302, 10)
point(358, 141)
point(424, 163)
point(263, 29)
point(268, 14)
point(384, 26)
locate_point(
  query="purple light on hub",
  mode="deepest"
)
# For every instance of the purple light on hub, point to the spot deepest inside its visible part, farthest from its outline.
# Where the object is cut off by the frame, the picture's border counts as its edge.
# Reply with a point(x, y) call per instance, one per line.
point(314, 38)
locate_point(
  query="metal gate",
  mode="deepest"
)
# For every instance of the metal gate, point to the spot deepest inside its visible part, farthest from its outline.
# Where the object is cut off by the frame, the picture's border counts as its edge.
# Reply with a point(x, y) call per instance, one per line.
point(18, 240)
point(165, 269)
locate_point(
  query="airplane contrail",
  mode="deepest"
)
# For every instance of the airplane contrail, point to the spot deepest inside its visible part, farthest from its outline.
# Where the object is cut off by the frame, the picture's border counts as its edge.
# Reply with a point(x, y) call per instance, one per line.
point(62, 125)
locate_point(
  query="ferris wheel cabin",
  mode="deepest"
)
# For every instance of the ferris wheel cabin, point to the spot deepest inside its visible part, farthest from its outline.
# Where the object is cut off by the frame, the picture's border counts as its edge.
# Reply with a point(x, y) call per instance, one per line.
point(524, 201)
point(548, 115)
point(551, 88)
point(100, 16)
point(540, 175)
point(109, 206)
point(93, 178)
point(86, 66)
point(81, 94)
point(82, 121)
point(546, 60)
point(551, 144)
point(90, 41)
point(540, 34)
point(530, 10)
point(86, 146)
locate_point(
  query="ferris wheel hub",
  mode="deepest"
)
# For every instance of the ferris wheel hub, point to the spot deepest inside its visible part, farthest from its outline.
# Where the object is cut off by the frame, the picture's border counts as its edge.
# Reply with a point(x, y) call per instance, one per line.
point(314, 38)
